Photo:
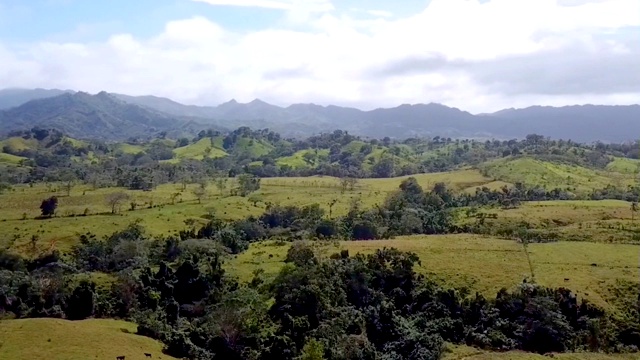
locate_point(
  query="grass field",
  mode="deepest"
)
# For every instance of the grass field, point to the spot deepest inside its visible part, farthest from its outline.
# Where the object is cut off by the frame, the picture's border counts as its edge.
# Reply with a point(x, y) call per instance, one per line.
point(55, 339)
point(606, 221)
point(198, 151)
point(10, 159)
point(19, 144)
point(468, 353)
point(129, 148)
point(553, 175)
point(484, 264)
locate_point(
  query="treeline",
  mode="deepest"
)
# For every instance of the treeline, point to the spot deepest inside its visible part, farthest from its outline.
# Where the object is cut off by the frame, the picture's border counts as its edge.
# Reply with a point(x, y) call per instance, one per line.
point(259, 152)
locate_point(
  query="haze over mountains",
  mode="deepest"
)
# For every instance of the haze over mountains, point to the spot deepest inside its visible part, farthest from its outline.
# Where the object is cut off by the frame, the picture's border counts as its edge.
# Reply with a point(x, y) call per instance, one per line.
point(116, 116)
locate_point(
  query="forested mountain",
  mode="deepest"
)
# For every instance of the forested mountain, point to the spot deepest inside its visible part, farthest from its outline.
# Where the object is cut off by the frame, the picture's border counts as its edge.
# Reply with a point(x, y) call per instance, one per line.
point(146, 114)
point(100, 116)
point(580, 123)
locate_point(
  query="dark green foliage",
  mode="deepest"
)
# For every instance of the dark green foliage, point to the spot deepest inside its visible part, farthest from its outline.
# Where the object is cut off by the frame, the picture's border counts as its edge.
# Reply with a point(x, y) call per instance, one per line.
point(48, 206)
point(81, 303)
point(360, 307)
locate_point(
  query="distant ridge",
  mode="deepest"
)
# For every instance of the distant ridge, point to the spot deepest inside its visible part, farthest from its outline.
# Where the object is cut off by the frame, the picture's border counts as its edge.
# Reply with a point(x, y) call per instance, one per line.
point(146, 114)
point(100, 116)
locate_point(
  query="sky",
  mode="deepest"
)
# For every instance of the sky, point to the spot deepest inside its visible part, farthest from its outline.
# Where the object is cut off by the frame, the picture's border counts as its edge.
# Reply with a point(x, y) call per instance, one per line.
point(476, 55)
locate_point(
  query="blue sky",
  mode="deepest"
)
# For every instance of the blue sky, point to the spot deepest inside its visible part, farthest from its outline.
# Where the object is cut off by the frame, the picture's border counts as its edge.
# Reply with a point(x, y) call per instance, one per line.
point(478, 55)
point(94, 20)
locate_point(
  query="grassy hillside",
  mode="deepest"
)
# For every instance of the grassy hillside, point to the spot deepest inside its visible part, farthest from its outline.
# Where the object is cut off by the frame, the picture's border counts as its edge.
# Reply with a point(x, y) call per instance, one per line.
point(624, 166)
point(56, 339)
point(10, 159)
point(16, 144)
point(607, 221)
point(129, 148)
point(553, 175)
point(304, 158)
point(255, 148)
point(198, 151)
point(461, 352)
point(484, 264)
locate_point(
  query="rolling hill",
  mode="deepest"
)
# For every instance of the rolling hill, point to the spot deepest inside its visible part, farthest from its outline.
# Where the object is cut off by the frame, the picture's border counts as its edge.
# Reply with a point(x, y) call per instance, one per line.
point(100, 116)
point(56, 339)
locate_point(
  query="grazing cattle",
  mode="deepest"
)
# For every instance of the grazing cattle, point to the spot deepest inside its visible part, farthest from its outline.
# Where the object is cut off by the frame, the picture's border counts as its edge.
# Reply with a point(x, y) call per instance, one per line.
point(120, 357)
point(566, 279)
point(147, 355)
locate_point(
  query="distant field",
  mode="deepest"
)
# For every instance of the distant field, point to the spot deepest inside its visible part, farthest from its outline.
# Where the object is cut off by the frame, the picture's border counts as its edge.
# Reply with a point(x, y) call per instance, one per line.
point(468, 353)
point(198, 151)
point(129, 148)
point(484, 264)
point(553, 175)
point(62, 231)
point(10, 159)
point(606, 221)
point(18, 144)
point(581, 220)
point(55, 339)
point(624, 166)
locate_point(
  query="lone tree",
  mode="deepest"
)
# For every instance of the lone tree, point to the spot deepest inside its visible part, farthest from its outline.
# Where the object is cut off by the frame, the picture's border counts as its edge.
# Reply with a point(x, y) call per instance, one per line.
point(247, 184)
point(348, 183)
point(115, 200)
point(221, 184)
point(68, 180)
point(200, 192)
point(49, 206)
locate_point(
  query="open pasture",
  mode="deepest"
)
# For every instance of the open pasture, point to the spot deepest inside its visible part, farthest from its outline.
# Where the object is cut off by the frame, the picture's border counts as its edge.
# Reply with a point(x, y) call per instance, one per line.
point(56, 339)
point(593, 271)
point(608, 221)
point(577, 179)
point(166, 208)
point(461, 352)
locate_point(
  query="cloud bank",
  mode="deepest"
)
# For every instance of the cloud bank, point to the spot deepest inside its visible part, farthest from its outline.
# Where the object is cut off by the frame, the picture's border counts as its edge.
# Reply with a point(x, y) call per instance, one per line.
point(476, 56)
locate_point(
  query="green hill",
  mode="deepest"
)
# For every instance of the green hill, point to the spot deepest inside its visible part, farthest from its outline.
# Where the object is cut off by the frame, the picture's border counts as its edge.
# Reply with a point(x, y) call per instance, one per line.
point(55, 339)
point(304, 158)
point(10, 159)
point(16, 143)
point(551, 175)
point(198, 151)
point(624, 165)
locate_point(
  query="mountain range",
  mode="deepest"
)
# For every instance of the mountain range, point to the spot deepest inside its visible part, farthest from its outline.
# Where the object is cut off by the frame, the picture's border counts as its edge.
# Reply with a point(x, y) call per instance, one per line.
point(116, 116)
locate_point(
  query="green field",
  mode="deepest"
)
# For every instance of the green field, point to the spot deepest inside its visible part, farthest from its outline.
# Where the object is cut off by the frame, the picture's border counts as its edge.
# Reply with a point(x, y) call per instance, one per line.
point(10, 159)
point(56, 339)
point(198, 151)
point(166, 217)
point(468, 353)
point(129, 148)
point(19, 144)
point(575, 178)
point(484, 264)
point(600, 221)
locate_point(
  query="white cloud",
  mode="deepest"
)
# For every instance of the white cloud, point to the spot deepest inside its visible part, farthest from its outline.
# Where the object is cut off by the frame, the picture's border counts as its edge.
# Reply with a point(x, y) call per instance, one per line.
point(459, 52)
